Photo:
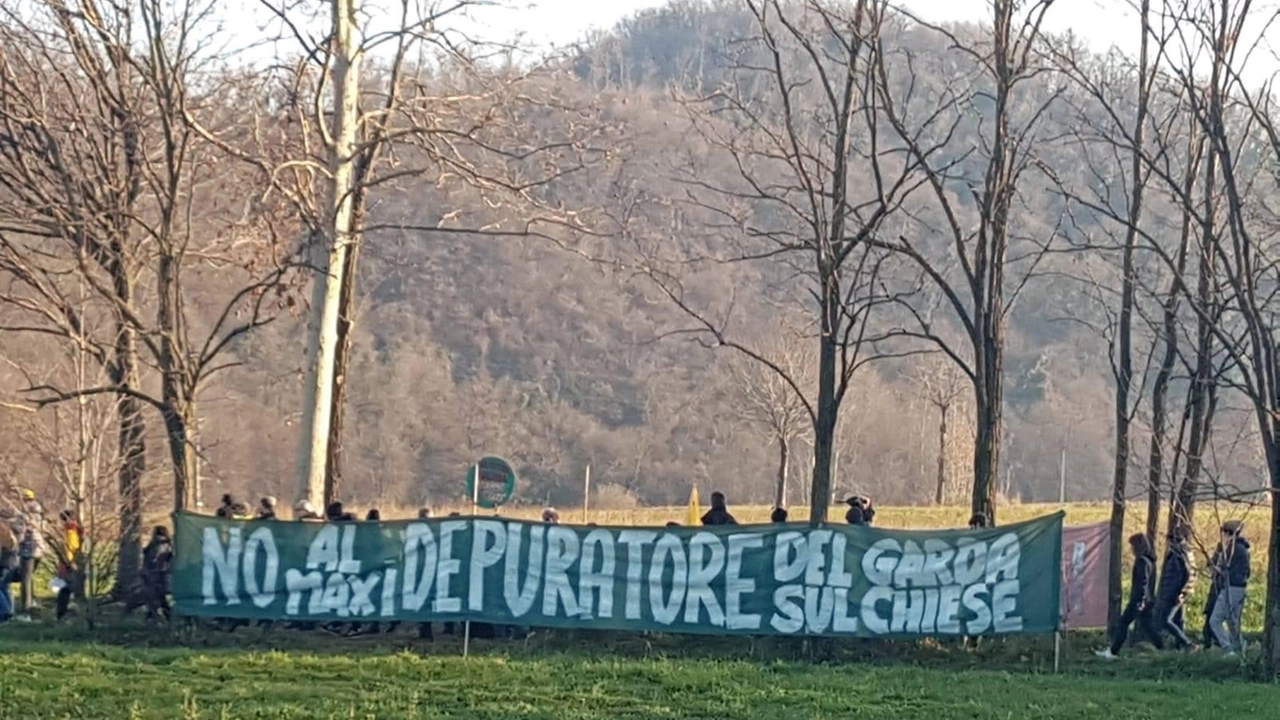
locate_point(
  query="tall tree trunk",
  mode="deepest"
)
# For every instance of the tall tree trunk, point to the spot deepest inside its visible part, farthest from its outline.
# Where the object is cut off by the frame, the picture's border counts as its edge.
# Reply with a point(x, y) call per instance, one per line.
point(938, 495)
point(178, 413)
point(346, 320)
point(1271, 636)
point(132, 451)
point(989, 400)
point(341, 231)
point(827, 410)
point(784, 463)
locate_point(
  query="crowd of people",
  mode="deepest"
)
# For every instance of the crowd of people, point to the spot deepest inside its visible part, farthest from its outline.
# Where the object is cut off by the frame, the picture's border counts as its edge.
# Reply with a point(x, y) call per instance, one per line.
point(1157, 602)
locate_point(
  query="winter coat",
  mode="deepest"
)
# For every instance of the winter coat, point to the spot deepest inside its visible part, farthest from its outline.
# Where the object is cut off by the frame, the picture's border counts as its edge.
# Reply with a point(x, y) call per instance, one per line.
point(1142, 591)
point(718, 516)
point(1174, 576)
point(1237, 564)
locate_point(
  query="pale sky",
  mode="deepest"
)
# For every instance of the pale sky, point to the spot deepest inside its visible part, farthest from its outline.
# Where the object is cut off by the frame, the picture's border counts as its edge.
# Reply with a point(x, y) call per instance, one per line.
point(1101, 23)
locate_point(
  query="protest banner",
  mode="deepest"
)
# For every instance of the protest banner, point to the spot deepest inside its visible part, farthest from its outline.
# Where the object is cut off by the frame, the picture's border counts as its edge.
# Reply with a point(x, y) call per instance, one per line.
point(1084, 576)
point(750, 580)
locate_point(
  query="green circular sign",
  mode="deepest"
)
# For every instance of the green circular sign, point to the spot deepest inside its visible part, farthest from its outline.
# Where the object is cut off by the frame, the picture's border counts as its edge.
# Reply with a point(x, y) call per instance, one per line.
point(497, 482)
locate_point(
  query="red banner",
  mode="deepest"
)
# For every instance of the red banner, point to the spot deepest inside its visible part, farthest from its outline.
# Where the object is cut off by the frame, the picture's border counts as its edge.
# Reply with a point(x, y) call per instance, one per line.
point(1084, 576)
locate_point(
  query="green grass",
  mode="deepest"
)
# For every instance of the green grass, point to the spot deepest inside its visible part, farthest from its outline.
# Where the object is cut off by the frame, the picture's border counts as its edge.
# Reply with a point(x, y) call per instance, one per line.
point(126, 671)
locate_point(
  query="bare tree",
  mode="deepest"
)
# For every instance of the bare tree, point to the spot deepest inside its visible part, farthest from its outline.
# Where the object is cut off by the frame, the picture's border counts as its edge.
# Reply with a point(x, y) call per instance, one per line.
point(942, 385)
point(104, 184)
point(808, 183)
point(373, 104)
point(1009, 67)
point(770, 402)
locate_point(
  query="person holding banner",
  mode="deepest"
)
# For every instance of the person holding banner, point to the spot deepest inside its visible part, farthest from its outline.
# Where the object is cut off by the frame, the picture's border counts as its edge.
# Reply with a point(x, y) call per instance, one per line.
point(1141, 594)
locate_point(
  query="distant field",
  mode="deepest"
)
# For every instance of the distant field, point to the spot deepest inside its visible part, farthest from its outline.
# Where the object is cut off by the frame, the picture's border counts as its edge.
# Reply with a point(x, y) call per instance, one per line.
point(49, 673)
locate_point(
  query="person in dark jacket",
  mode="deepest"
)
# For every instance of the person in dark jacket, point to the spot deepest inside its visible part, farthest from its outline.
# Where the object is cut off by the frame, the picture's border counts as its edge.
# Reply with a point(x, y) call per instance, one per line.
point(719, 512)
point(225, 509)
point(860, 510)
point(157, 561)
point(1171, 591)
point(1234, 568)
point(1216, 581)
point(1141, 595)
point(779, 515)
point(336, 513)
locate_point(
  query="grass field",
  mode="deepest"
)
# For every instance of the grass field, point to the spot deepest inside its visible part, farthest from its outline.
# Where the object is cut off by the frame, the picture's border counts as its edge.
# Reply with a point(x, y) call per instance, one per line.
point(125, 671)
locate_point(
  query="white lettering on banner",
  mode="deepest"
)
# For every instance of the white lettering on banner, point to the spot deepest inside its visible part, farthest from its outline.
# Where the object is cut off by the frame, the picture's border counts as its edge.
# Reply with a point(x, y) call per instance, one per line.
point(520, 599)
point(907, 585)
point(264, 593)
point(706, 562)
point(562, 553)
point(484, 554)
point(635, 540)
point(297, 584)
point(221, 564)
point(418, 575)
point(926, 589)
point(446, 568)
point(735, 586)
point(595, 585)
point(666, 608)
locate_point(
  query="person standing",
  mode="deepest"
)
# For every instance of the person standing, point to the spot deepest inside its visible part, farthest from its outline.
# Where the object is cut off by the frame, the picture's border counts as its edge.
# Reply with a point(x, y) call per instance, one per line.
point(266, 508)
point(719, 512)
point(1141, 594)
point(69, 571)
point(1228, 607)
point(1175, 576)
point(8, 565)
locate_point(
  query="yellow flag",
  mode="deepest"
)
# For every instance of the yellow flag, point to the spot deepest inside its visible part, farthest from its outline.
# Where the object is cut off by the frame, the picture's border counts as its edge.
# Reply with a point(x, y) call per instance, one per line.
point(695, 512)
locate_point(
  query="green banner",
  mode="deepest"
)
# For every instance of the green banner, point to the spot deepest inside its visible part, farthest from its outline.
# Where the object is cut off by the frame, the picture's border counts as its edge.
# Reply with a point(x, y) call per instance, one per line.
point(746, 579)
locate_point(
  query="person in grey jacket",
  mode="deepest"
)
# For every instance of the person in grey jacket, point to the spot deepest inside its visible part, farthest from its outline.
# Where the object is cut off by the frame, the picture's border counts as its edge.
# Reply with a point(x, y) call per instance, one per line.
point(1234, 569)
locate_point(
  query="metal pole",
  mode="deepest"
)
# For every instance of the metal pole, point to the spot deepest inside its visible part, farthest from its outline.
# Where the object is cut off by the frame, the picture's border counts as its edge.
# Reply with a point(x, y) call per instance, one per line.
point(586, 495)
point(1062, 477)
point(1057, 651)
point(475, 503)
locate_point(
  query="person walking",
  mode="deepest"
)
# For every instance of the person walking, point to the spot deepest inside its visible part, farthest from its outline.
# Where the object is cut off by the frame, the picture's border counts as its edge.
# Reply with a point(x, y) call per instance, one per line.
point(1175, 576)
point(8, 569)
point(1141, 594)
point(1228, 607)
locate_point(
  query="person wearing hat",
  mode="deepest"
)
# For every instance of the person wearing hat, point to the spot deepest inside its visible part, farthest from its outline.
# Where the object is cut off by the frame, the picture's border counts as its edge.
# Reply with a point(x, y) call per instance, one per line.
point(550, 516)
point(1234, 569)
point(304, 510)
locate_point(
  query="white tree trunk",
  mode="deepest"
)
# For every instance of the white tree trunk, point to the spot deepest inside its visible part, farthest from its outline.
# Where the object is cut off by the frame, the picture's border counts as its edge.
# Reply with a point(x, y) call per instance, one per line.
point(317, 414)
